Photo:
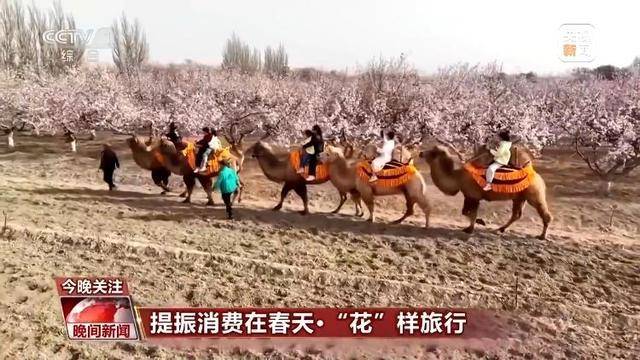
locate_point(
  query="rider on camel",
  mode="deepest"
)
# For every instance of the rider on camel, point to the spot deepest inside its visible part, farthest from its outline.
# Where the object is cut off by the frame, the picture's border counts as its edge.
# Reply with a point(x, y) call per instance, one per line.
point(501, 157)
point(210, 143)
point(173, 134)
point(317, 142)
point(385, 153)
point(308, 150)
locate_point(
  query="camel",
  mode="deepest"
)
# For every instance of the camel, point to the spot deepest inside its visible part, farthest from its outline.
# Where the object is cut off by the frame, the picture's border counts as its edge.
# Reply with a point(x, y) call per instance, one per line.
point(147, 160)
point(278, 169)
point(178, 164)
point(413, 190)
point(451, 178)
point(343, 176)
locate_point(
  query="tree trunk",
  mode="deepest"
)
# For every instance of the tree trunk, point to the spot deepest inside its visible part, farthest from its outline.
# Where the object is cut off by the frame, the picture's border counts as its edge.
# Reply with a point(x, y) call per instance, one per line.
point(73, 146)
point(10, 140)
point(605, 187)
point(93, 135)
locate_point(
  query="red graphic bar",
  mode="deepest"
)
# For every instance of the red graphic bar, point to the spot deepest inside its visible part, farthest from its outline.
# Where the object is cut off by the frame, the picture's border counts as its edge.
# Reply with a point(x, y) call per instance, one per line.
point(92, 286)
point(316, 322)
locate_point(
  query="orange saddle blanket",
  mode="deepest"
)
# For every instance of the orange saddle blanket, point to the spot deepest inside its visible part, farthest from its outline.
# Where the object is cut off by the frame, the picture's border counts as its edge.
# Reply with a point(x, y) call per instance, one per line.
point(213, 164)
point(507, 180)
point(322, 170)
point(393, 174)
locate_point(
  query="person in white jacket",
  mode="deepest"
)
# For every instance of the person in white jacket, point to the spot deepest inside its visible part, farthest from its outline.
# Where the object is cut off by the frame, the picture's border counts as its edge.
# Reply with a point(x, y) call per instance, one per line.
point(385, 154)
point(210, 144)
point(501, 157)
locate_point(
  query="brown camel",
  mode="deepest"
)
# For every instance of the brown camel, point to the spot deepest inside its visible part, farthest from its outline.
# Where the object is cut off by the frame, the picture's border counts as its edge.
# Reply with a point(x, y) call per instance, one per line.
point(343, 176)
point(149, 160)
point(236, 147)
point(413, 190)
point(451, 178)
point(178, 164)
point(277, 168)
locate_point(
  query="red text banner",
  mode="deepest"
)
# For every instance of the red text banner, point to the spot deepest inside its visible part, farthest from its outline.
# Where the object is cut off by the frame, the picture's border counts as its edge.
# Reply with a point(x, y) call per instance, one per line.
point(315, 323)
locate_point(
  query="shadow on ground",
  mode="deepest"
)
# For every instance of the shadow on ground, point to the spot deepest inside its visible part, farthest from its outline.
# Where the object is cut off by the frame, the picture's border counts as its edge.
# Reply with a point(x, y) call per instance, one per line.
point(170, 208)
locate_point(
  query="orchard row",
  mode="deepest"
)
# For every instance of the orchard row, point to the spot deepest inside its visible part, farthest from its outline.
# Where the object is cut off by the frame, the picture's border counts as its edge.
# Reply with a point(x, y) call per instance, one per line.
point(461, 106)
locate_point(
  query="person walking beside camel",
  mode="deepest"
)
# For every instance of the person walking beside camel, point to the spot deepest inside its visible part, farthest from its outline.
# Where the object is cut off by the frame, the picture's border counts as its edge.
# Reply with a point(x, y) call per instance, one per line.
point(108, 164)
point(501, 157)
point(228, 182)
point(385, 154)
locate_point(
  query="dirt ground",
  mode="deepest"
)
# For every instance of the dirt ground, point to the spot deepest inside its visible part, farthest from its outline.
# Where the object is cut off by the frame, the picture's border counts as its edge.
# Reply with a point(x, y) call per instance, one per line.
point(578, 292)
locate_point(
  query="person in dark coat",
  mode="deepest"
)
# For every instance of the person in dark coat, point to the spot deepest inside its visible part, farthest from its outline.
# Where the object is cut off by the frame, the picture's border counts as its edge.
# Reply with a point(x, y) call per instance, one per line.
point(317, 141)
point(108, 164)
point(173, 134)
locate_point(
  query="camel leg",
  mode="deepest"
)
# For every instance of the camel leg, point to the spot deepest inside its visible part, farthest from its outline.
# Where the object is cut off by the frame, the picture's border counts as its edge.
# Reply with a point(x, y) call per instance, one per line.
point(240, 190)
point(543, 210)
point(369, 201)
point(301, 190)
point(409, 211)
point(165, 181)
point(189, 182)
point(357, 200)
point(470, 210)
point(516, 214)
point(206, 183)
point(161, 179)
point(425, 206)
point(283, 194)
point(343, 198)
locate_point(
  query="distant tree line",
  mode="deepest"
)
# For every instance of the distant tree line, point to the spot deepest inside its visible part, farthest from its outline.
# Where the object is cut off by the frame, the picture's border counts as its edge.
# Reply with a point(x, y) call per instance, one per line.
point(130, 49)
point(238, 55)
point(608, 72)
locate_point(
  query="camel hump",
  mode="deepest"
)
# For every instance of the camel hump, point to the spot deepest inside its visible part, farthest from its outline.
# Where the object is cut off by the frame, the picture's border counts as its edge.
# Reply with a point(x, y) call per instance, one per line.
point(402, 154)
point(520, 157)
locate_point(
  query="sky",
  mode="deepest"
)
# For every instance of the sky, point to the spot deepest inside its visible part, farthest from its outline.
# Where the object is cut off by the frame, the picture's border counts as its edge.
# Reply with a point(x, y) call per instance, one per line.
point(346, 34)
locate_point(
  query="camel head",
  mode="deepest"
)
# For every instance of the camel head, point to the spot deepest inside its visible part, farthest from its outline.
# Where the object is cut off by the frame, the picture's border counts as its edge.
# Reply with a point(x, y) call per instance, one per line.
point(132, 142)
point(236, 143)
point(435, 153)
point(139, 143)
point(136, 142)
point(331, 153)
point(259, 149)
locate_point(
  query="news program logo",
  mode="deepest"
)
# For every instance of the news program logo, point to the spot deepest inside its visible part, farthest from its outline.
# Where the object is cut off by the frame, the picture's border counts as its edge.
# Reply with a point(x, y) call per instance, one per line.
point(97, 309)
point(576, 42)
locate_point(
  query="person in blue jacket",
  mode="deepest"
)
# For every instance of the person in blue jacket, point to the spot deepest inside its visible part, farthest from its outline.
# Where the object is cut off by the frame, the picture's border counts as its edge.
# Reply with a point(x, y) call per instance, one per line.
point(228, 183)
